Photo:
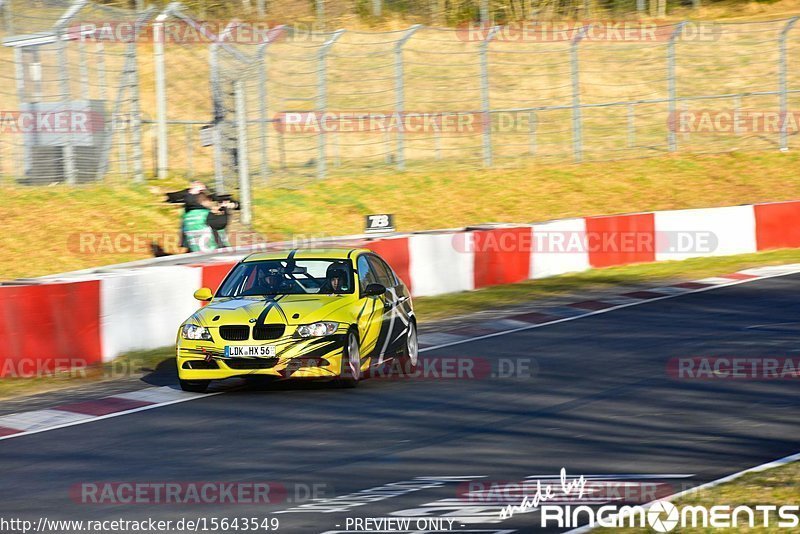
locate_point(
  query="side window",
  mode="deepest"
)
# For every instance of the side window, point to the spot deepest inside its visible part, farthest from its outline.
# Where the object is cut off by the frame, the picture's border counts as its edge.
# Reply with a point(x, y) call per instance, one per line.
point(383, 272)
point(366, 275)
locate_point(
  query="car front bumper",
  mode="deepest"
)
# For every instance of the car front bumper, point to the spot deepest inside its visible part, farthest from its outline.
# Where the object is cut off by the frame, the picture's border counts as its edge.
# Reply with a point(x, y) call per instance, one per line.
point(295, 358)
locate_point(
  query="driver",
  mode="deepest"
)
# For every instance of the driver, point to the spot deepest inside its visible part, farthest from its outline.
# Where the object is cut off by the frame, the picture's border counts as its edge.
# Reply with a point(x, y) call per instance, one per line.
point(269, 280)
point(335, 280)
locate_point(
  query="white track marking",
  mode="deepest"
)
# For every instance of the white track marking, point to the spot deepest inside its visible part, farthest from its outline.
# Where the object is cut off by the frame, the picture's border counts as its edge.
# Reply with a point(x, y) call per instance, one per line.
point(92, 419)
point(41, 419)
point(795, 270)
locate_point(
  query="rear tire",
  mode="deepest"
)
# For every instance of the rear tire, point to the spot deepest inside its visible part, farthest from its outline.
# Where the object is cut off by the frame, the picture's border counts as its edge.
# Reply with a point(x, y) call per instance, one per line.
point(409, 357)
point(195, 386)
point(350, 372)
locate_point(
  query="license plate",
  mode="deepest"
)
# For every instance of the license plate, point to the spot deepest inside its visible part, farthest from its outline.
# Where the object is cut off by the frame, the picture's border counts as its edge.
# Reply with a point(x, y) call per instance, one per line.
point(250, 351)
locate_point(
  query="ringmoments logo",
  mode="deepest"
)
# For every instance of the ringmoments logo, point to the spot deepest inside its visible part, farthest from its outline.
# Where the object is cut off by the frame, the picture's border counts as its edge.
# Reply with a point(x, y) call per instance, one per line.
point(659, 515)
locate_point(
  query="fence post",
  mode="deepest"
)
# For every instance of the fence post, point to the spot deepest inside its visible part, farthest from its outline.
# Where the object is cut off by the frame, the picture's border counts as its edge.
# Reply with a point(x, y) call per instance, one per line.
point(8, 17)
point(484, 11)
point(241, 155)
point(399, 93)
point(486, 118)
point(322, 101)
point(128, 84)
point(219, 116)
point(577, 120)
point(261, 63)
point(671, 88)
point(69, 150)
point(161, 92)
point(320, 8)
point(783, 83)
point(60, 25)
point(136, 111)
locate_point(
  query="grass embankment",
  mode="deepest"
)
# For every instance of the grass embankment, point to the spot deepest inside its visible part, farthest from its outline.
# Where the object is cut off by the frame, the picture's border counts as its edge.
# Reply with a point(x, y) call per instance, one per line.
point(42, 226)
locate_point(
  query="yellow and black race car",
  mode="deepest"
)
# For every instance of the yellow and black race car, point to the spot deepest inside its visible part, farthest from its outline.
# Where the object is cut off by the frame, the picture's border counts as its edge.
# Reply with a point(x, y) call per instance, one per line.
point(317, 313)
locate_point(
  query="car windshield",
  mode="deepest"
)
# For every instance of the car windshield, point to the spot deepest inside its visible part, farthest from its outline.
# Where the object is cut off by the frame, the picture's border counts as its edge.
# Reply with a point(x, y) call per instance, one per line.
point(288, 277)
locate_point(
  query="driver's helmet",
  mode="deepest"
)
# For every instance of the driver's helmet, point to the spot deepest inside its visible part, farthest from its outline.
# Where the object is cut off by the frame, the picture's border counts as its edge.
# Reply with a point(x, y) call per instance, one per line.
point(337, 271)
point(269, 276)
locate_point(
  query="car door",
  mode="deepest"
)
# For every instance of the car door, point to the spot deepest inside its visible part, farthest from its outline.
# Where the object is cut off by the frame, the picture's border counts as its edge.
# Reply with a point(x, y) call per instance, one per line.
point(394, 317)
point(371, 325)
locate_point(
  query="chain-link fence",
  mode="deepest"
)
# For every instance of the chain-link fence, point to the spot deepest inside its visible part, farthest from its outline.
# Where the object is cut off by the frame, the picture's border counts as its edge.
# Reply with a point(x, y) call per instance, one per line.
point(71, 103)
point(240, 101)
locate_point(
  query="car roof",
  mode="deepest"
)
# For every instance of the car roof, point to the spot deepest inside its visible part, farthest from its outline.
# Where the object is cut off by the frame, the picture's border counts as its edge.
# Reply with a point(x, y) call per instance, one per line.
point(307, 253)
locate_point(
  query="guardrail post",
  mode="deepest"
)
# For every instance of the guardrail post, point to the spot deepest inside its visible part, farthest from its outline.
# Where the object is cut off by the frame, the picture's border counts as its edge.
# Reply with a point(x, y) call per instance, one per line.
point(577, 119)
point(672, 142)
point(246, 216)
point(783, 83)
point(399, 93)
point(486, 118)
point(322, 101)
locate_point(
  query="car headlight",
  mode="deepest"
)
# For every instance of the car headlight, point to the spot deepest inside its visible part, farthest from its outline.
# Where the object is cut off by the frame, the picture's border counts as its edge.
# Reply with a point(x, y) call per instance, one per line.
point(193, 331)
point(323, 328)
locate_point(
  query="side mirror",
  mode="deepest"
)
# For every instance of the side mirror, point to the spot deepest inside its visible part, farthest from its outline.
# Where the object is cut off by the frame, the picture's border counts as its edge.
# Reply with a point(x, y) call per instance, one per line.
point(203, 294)
point(374, 290)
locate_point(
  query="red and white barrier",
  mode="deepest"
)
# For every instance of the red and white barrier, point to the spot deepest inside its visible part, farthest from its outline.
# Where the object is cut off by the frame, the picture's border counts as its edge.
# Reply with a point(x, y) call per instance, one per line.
point(559, 248)
point(92, 318)
point(734, 229)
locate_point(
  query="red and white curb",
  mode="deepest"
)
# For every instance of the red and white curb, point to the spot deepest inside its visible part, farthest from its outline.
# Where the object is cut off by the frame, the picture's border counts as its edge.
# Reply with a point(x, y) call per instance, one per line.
point(25, 423)
point(77, 413)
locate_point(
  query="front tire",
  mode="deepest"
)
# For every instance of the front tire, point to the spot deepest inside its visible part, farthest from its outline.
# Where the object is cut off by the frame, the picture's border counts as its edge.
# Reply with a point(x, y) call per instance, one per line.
point(350, 372)
point(410, 354)
point(194, 386)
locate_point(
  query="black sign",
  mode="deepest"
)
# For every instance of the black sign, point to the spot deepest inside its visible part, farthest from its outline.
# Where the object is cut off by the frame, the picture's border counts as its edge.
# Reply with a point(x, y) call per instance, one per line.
point(381, 222)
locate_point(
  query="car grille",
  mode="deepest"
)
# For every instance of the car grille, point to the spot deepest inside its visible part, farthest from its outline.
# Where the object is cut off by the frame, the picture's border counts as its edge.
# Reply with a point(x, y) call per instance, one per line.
point(235, 332)
point(268, 331)
point(256, 363)
point(200, 364)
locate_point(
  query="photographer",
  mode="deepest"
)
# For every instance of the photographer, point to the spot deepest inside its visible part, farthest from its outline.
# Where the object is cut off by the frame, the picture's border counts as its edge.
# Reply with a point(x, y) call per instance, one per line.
point(205, 217)
point(204, 222)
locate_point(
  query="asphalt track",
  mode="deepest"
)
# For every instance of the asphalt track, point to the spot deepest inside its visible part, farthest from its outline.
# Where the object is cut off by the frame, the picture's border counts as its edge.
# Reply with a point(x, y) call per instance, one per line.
point(600, 401)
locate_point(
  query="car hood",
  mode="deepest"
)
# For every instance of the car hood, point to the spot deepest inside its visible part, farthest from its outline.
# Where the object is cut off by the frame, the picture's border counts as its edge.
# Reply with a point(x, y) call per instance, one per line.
point(288, 309)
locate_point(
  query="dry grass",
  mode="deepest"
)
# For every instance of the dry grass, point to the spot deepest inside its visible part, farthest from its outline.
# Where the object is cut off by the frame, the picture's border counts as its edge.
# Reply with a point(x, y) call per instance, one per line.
point(42, 224)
